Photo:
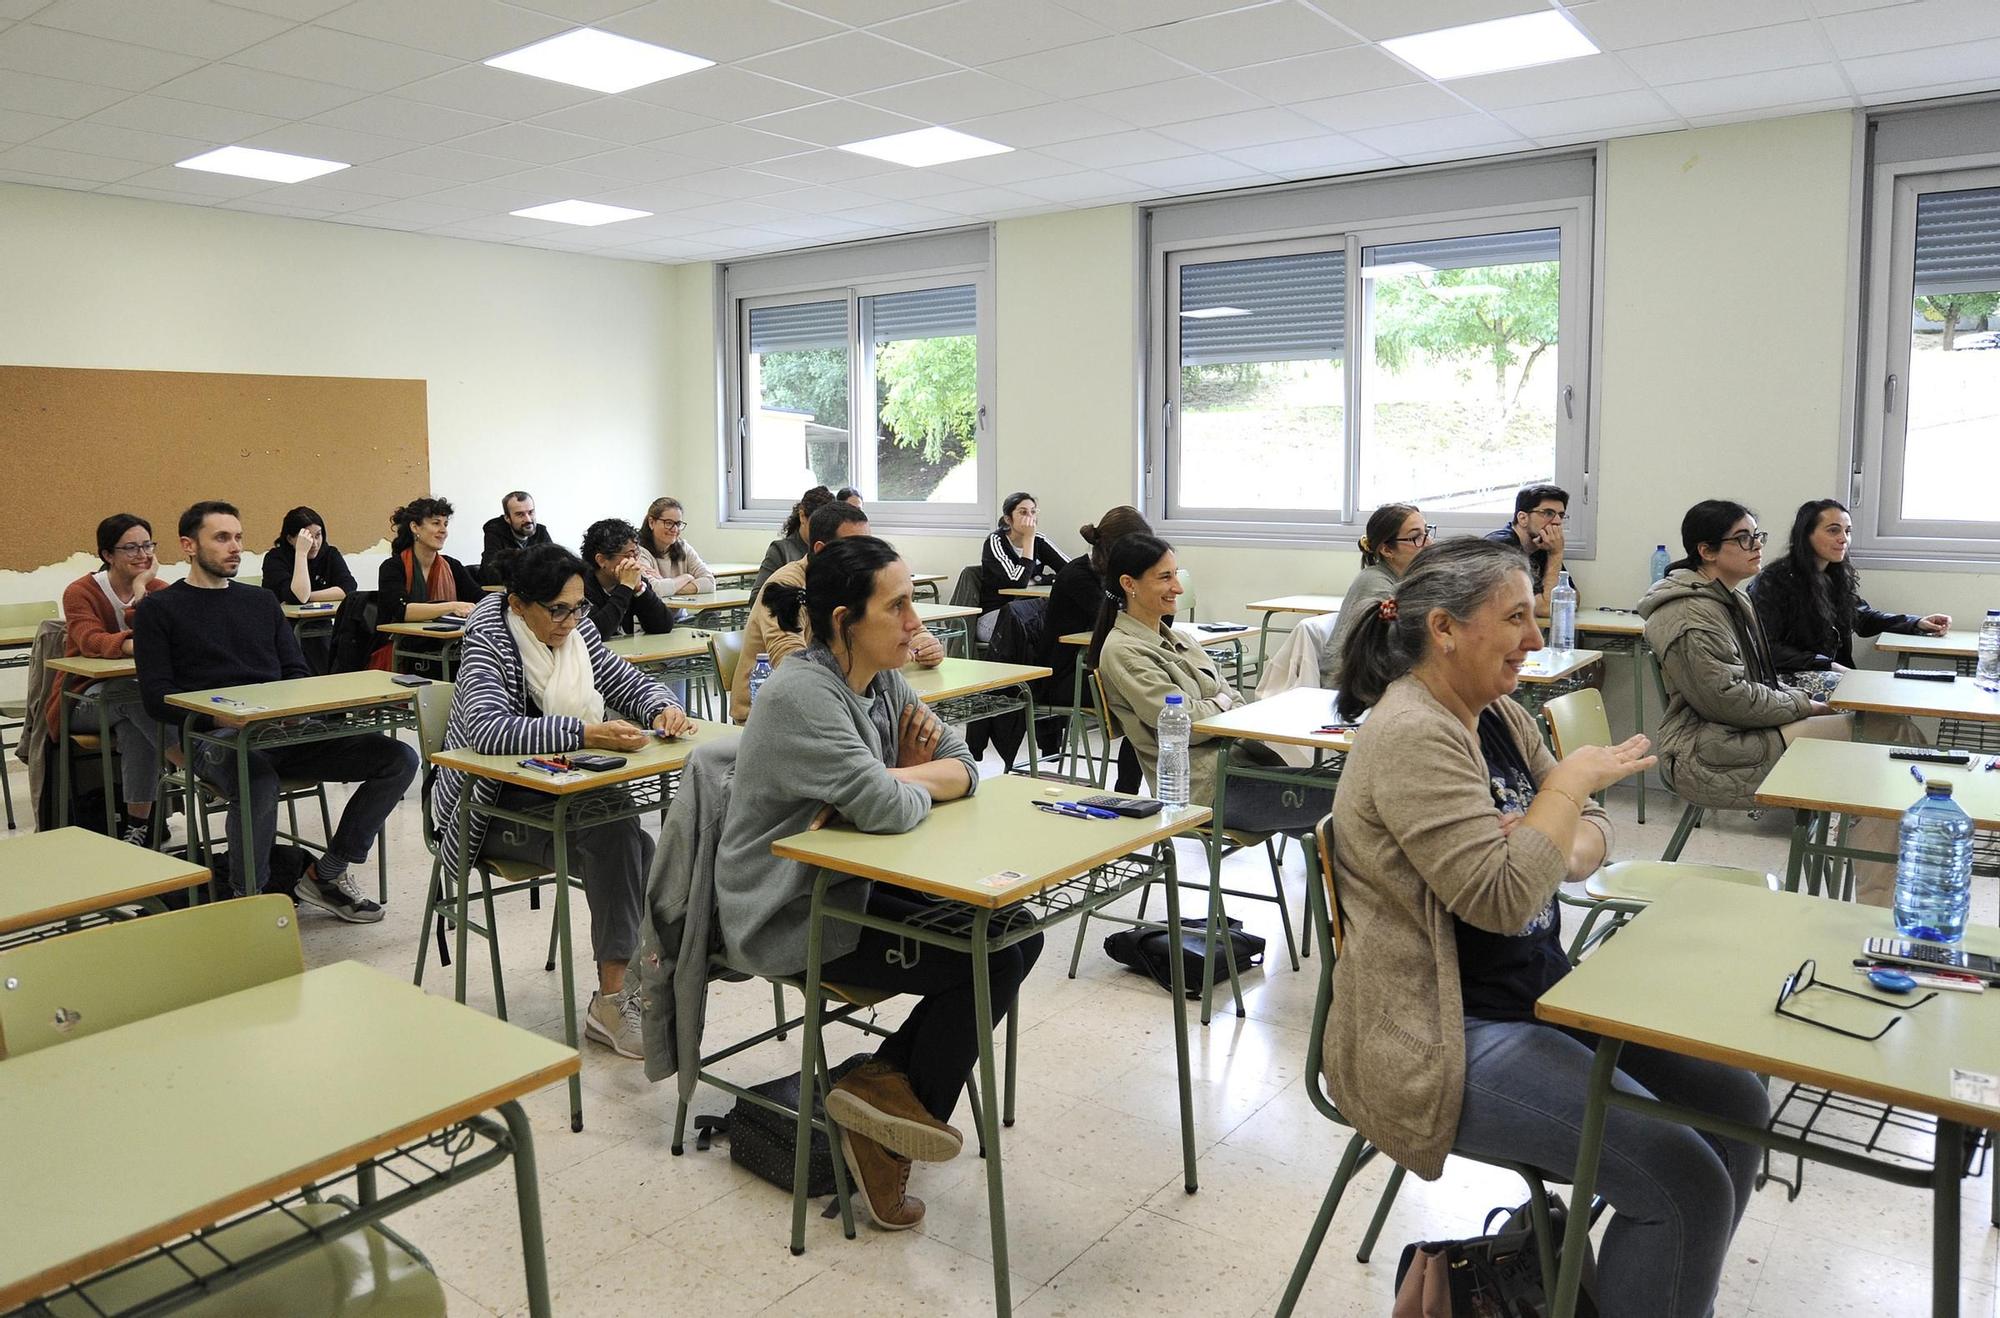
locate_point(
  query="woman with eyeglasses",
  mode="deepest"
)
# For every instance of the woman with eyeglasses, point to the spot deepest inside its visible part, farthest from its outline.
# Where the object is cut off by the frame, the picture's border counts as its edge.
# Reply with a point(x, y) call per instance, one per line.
point(97, 624)
point(535, 679)
point(1393, 536)
point(1728, 718)
point(666, 560)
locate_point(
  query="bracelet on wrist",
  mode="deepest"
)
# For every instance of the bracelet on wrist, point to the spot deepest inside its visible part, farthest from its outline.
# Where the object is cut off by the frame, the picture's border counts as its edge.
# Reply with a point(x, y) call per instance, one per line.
point(1565, 796)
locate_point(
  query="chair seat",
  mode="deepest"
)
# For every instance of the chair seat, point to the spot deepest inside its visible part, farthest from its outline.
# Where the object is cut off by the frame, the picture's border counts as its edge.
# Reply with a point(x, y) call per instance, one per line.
point(86, 741)
point(851, 994)
point(1648, 880)
point(364, 1272)
point(13, 709)
point(513, 871)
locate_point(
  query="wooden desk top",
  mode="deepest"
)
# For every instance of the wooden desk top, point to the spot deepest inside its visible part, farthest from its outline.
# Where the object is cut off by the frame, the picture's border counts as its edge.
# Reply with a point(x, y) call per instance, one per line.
point(928, 578)
point(1610, 622)
point(424, 631)
point(991, 849)
point(1026, 592)
point(1187, 631)
point(494, 589)
point(1951, 645)
point(640, 648)
point(304, 612)
point(46, 877)
point(719, 570)
point(965, 677)
point(1885, 693)
point(1298, 604)
point(651, 761)
point(375, 1061)
point(1859, 778)
point(254, 702)
point(1546, 666)
point(928, 612)
point(1698, 973)
point(714, 599)
point(1289, 718)
point(97, 670)
point(18, 634)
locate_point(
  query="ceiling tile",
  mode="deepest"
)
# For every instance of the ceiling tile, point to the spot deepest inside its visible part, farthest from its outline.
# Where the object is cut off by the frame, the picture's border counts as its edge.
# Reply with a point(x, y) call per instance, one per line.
point(464, 29)
point(725, 93)
point(1255, 35)
point(19, 125)
point(898, 215)
point(541, 146)
point(378, 181)
point(196, 183)
point(673, 249)
point(562, 181)
point(616, 119)
point(1321, 74)
point(1593, 75)
point(54, 96)
point(657, 198)
point(817, 226)
point(258, 206)
point(1927, 70)
point(328, 143)
point(495, 92)
point(31, 179)
point(1383, 108)
point(1622, 24)
point(1726, 54)
point(817, 200)
point(187, 27)
point(1081, 186)
point(981, 201)
point(1007, 169)
point(1753, 91)
point(1787, 110)
point(733, 144)
point(157, 114)
point(725, 32)
point(1912, 27)
point(982, 31)
point(657, 226)
point(130, 189)
point(451, 164)
point(1039, 125)
point(54, 53)
point(732, 213)
point(1246, 128)
point(1190, 172)
point(342, 58)
point(1376, 19)
point(825, 167)
point(37, 159)
point(1439, 135)
point(1829, 8)
point(412, 121)
point(737, 182)
point(495, 223)
point(311, 195)
point(834, 123)
point(497, 196)
point(638, 164)
point(1171, 102)
point(848, 64)
point(958, 95)
point(1586, 114)
point(236, 88)
point(1129, 148)
point(860, 13)
point(413, 211)
point(1104, 65)
point(303, 11)
point(1133, 15)
point(907, 184)
point(578, 11)
point(1309, 157)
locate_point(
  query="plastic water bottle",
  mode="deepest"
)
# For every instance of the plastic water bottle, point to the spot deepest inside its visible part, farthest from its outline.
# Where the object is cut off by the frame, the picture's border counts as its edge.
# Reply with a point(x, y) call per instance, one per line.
point(759, 675)
point(1660, 561)
point(1934, 868)
point(1562, 614)
point(1989, 648)
point(1171, 781)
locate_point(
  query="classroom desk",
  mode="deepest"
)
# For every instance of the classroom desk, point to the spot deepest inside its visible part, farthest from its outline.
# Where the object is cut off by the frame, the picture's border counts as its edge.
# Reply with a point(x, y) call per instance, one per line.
point(1961, 647)
point(1622, 631)
point(398, 1082)
point(16, 641)
point(949, 622)
point(722, 610)
point(95, 670)
point(736, 574)
point(1869, 690)
point(1818, 780)
point(1309, 605)
point(1290, 718)
point(55, 880)
point(1726, 949)
point(681, 655)
point(305, 618)
point(1551, 673)
point(961, 690)
point(1025, 592)
point(1056, 868)
point(425, 642)
point(576, 800)
point(927, 583)
point(294, 712)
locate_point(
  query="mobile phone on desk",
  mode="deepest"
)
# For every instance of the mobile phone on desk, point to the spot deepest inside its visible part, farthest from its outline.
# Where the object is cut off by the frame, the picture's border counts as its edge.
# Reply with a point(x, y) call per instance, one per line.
point(1219, 627)
point(1932, 956)
point(410, 679)
point(596, 763)
point(458, 626)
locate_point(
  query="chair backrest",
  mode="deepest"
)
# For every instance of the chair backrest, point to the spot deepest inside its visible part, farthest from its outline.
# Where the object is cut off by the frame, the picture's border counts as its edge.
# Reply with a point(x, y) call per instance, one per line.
point(1336, 929)
point(1577, 719)
point(19, 615)
point(433, 715)
point(726, 648)
point(965, 595)
point(1659, 675)
point(66, 987)
point(1322, 907)
point(1103, 705)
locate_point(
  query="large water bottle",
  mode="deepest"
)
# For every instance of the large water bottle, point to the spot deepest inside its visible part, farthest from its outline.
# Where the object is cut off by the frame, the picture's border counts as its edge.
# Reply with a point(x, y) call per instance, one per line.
point(1660, 561)
point(1171, 781)
point(1934, 868)
point(1989, 648)
point(1562, 614)
point(759, 674)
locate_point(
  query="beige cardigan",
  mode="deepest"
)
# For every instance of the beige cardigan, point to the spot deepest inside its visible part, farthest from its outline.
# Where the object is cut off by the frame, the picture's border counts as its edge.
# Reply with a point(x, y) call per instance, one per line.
point(1417, 841)
point(1140, 668)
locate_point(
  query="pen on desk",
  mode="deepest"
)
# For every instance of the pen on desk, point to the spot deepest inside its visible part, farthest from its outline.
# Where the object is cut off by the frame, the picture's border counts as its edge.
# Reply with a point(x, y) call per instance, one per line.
point(1072, 809)
point(1916, 773)
point(549, 769)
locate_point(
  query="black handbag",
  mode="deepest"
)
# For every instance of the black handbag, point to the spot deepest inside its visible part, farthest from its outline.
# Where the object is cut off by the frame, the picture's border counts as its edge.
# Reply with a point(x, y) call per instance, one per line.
point(764, 1142)
point(1497, 1275)
point(1146, 950)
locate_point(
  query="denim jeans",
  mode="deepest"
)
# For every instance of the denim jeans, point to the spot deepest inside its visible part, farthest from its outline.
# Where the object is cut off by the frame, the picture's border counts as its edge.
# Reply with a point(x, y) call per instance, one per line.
point(612, 859)
point(135, 732)
point(1676, 1194)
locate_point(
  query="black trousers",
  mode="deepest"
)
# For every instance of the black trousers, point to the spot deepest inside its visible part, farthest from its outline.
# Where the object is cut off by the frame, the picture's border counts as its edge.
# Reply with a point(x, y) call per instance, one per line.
point(938, 1044)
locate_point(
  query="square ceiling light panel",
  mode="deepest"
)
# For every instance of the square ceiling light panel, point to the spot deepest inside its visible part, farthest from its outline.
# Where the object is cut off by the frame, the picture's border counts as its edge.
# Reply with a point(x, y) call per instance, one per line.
point(926, 146)
point(588, 214)
point(601, 61)
point(1519, 42)
point(249, 162)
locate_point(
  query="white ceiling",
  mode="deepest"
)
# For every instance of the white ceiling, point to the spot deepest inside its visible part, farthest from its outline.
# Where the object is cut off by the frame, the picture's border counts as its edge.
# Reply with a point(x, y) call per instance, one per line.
point(1106, 101)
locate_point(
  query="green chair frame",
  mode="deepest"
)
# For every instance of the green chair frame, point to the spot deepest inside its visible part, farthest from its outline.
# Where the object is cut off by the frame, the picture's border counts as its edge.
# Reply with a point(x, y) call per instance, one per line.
point(13, 714)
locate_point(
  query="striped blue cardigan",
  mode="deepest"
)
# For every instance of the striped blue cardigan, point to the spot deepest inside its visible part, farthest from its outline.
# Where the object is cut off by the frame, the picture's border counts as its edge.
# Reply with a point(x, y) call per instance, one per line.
point(489, 713)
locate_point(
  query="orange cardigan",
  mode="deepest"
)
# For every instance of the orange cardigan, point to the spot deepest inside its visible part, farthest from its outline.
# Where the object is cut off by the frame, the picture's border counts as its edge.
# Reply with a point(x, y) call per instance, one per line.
point(92, 629)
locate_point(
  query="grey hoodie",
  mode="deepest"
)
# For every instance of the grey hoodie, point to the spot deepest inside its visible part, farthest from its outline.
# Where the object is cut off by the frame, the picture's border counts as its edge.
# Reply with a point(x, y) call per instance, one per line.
point(1720, 733)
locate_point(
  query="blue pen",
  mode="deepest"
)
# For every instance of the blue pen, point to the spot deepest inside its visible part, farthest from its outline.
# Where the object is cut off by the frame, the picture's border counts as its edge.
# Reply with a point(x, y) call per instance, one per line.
point(1073, 809)
point(1916, 773)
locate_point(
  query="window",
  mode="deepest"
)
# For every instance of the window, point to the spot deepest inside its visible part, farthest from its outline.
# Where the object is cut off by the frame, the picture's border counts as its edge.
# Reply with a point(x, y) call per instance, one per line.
point(1435, 356)
point(1924, 467)
point(881, 383)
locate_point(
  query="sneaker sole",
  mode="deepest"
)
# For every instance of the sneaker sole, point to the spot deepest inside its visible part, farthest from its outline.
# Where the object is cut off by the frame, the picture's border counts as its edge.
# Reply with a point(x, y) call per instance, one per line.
point(304, 897)
point(859, 1187)
point(913, 1139)
point(598, 1034)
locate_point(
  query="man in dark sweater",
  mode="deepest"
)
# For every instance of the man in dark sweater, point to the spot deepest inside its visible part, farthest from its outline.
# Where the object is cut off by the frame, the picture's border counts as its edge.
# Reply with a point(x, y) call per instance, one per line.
point(514, 528)
point(208, 631)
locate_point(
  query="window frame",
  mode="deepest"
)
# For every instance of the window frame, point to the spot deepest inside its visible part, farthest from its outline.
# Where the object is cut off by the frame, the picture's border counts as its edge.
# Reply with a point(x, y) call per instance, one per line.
point(734, 439)
point(1577, 219)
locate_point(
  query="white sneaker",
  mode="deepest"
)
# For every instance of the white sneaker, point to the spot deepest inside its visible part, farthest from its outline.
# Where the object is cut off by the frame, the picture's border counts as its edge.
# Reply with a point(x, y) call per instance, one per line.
point(614, 1020)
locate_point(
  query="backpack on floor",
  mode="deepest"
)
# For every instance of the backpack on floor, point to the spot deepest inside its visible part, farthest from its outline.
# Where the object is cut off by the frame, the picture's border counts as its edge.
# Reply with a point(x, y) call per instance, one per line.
point(764, 1142)
point(1145, 950)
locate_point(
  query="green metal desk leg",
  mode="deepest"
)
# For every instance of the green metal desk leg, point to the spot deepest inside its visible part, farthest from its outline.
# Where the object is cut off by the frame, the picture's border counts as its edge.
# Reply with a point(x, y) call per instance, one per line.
point(1947, 1163)
point(988, 1113)
point(1263, 643)
point(809, 1063)
point(528, 1201)
point(1801, 835)
point(464, 881)
point(1177, 981)
point(62, 761)
point(1639, 709)
point(248, 837)
point(1034, 738)
point(557, 826)
point(1590, 1147)
point(1216, 914)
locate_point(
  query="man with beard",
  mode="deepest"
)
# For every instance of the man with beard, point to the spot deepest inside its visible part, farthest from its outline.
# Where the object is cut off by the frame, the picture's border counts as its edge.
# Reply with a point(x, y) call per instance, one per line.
point(515, 529)
point(208, 631)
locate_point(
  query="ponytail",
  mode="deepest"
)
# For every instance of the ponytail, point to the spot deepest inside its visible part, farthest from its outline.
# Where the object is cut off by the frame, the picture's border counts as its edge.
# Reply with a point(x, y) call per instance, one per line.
point(1383, 524)
point(786, 604)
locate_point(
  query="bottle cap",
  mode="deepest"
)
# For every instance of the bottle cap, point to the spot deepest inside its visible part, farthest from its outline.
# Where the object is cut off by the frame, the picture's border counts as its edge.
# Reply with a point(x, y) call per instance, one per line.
point(1936, 787)
point(763, 658)
point(1174, 699)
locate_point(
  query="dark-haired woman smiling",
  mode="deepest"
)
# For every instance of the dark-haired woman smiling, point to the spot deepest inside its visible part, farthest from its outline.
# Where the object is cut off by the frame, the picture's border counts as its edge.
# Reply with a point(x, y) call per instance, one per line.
point(838, 732)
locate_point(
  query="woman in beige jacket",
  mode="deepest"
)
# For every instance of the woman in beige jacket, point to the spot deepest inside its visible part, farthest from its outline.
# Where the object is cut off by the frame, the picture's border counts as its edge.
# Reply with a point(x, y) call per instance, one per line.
point(1454, 827)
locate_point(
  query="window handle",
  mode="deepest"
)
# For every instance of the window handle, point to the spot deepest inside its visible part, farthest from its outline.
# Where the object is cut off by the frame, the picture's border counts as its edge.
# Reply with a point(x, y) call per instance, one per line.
point(982, 416)
point(1167, 416)
point(1569, 401)
point(1889, 394)
point(742, 427)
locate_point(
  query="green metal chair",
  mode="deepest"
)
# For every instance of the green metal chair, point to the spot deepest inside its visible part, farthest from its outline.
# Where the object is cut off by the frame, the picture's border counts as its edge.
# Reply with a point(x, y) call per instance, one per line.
point(726, 649)
point(1328, 931)
point(14, 713)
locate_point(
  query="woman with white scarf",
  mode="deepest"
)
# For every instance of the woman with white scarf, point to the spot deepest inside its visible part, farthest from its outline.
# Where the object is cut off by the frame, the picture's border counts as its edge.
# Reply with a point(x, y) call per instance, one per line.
point(535, 679)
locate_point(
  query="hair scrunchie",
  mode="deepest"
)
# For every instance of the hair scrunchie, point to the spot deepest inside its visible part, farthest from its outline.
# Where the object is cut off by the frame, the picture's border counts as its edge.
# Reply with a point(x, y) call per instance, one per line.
point(1386, 610)
point(1364, 546)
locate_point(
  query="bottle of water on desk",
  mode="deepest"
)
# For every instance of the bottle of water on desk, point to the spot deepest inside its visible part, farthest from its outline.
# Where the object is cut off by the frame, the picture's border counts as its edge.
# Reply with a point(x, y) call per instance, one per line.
point(1171, 779)
point(1989, 649)
point(759, 675)
point(1660, 561)
point(1934, 868)
point(1562, 615)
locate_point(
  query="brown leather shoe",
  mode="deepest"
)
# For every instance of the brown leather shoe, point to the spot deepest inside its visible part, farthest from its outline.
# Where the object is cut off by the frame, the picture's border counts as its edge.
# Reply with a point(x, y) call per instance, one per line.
point(875, 1100)
point(882, 1180)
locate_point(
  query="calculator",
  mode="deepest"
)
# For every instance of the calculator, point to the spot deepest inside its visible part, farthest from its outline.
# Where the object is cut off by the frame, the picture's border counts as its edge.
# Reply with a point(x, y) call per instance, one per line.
point(1933, 956)
point(1124, 805)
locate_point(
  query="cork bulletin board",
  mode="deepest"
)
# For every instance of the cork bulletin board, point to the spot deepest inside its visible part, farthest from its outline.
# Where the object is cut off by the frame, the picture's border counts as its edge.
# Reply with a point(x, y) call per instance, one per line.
point(77, 445)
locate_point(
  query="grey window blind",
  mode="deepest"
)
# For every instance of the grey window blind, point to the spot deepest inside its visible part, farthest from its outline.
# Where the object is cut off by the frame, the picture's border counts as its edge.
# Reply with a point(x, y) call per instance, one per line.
point(798, 326)
point(1468, 253)
point(1297, 309)
point(1958, 241)
point(925, 313)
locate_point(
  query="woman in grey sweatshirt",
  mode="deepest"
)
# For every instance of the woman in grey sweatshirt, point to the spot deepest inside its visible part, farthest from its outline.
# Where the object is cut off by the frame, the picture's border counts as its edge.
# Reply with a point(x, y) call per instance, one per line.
point(1394, 534)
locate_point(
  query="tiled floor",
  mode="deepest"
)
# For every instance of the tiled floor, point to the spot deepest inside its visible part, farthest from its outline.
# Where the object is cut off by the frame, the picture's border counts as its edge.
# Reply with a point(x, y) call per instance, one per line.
point(1098, 1221)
